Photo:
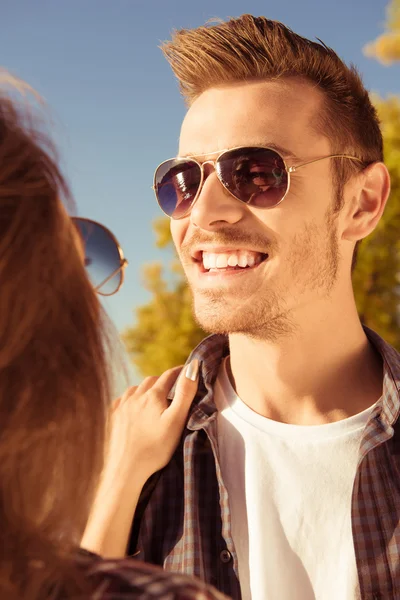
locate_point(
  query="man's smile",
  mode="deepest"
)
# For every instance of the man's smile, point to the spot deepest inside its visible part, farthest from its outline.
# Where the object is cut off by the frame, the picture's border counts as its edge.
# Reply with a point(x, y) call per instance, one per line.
point(224, 261)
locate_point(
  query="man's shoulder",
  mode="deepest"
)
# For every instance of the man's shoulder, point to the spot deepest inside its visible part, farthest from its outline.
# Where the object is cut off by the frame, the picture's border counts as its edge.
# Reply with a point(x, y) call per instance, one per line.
point(390, 355)
point(388, 407)
point(192, 465)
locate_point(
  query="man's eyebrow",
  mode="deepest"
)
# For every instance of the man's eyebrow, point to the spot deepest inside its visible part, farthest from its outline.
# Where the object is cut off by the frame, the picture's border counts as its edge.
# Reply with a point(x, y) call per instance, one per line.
point(284, 152)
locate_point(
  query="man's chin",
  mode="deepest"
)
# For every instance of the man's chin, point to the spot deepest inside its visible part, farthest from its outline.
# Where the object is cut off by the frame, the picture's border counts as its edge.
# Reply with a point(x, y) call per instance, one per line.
point(255, 324)
point(219, 313)
point(215, 321)
point(223, 319)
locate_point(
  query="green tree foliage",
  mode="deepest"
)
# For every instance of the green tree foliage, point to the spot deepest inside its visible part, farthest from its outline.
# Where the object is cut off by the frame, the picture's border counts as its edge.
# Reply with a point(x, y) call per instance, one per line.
point(386, 47)
point(165, 330)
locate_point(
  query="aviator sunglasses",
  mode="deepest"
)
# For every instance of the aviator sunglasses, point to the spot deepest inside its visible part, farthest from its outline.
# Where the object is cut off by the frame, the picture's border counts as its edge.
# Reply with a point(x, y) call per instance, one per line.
point(104, 259)
point(256, 176)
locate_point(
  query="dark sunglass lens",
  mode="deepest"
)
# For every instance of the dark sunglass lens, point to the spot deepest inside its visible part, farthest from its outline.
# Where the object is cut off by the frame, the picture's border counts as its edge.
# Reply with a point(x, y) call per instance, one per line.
point(256, 176)
point(102, 258)
point(176, 183)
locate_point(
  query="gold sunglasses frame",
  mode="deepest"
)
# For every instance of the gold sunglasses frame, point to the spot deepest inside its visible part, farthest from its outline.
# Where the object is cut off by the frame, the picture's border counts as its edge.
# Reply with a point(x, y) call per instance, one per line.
point(123, 261)
point(289, 170)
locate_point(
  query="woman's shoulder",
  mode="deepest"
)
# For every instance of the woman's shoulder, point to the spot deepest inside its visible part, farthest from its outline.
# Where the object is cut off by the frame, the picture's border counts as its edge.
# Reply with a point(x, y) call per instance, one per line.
point(125, 579)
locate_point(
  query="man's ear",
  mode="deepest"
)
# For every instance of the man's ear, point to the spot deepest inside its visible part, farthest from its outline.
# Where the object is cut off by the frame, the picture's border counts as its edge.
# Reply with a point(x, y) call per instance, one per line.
point(369, 201)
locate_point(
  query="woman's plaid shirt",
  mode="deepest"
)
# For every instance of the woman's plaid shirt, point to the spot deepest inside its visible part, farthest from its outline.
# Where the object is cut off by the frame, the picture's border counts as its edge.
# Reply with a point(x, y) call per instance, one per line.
point(183, 519)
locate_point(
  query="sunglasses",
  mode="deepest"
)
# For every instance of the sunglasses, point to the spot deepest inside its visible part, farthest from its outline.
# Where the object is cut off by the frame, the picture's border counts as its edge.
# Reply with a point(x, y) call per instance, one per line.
point(104, 259)
point(256, 176)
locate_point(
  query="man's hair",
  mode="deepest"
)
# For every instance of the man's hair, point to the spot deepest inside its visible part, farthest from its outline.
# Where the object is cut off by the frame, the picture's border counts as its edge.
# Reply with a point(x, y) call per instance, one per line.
point(250, 48)
point(254, 48)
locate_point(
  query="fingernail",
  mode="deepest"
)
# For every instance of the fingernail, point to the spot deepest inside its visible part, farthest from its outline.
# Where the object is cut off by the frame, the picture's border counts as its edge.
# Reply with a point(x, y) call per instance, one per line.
point(192, 370)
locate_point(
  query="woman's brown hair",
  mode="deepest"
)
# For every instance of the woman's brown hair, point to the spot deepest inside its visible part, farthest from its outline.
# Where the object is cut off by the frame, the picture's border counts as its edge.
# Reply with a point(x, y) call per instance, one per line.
point(54, 382)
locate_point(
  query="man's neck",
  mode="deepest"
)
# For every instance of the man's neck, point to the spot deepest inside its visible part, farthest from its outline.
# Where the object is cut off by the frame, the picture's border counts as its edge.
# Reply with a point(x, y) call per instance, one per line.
point(324, 372)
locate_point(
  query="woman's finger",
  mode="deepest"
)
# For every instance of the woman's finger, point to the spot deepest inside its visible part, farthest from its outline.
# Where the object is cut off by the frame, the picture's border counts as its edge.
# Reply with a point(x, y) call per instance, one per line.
point(165, 383)
point(143, 387)
point(185, 392)
point(168, 378)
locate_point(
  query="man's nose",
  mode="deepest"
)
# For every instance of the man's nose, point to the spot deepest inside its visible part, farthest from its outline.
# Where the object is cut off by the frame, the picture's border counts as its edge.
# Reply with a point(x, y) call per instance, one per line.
point(215, 207)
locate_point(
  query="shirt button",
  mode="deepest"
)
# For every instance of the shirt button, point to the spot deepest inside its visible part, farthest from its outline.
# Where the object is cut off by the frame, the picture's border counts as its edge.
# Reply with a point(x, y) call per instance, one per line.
point(225, 556)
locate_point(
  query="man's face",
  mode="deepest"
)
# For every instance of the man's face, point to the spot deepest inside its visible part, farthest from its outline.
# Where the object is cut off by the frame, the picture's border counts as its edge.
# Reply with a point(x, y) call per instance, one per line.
point(290, 251)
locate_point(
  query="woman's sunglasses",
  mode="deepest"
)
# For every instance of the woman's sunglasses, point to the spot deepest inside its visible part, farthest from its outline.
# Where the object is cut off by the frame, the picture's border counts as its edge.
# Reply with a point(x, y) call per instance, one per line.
point(257, 176)
point(104, 259)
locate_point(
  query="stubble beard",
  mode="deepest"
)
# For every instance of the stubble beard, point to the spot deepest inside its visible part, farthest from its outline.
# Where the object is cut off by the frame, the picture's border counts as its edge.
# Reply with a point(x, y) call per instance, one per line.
point(267, 313)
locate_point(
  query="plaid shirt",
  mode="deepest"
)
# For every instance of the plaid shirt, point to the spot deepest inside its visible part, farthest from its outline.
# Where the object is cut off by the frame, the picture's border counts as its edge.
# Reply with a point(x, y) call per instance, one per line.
point(129, 579)
point(183, 519)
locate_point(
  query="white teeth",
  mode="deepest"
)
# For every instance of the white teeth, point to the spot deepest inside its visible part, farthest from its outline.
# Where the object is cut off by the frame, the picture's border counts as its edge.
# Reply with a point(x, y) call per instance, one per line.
point(212, 261)
point(242, 259)
point(236, 258)
point(233, 260)
point(222, 261)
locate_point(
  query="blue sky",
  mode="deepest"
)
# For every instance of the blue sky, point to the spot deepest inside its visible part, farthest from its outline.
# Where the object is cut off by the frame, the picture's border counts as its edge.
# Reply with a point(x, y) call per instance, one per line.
point(115, 104)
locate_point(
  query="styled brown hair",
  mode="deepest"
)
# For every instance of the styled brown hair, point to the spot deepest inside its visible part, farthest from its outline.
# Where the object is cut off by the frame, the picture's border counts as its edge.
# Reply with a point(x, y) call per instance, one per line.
point(250, 48)
point(54, 381)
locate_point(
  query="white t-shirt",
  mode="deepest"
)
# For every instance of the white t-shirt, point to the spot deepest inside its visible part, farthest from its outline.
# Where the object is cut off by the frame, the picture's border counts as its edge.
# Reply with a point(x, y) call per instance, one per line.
point(289, 489)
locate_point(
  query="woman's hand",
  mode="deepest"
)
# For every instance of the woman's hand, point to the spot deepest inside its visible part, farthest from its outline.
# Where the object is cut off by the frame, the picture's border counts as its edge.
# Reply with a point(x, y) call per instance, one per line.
point(145, 429)
point(146, 426)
